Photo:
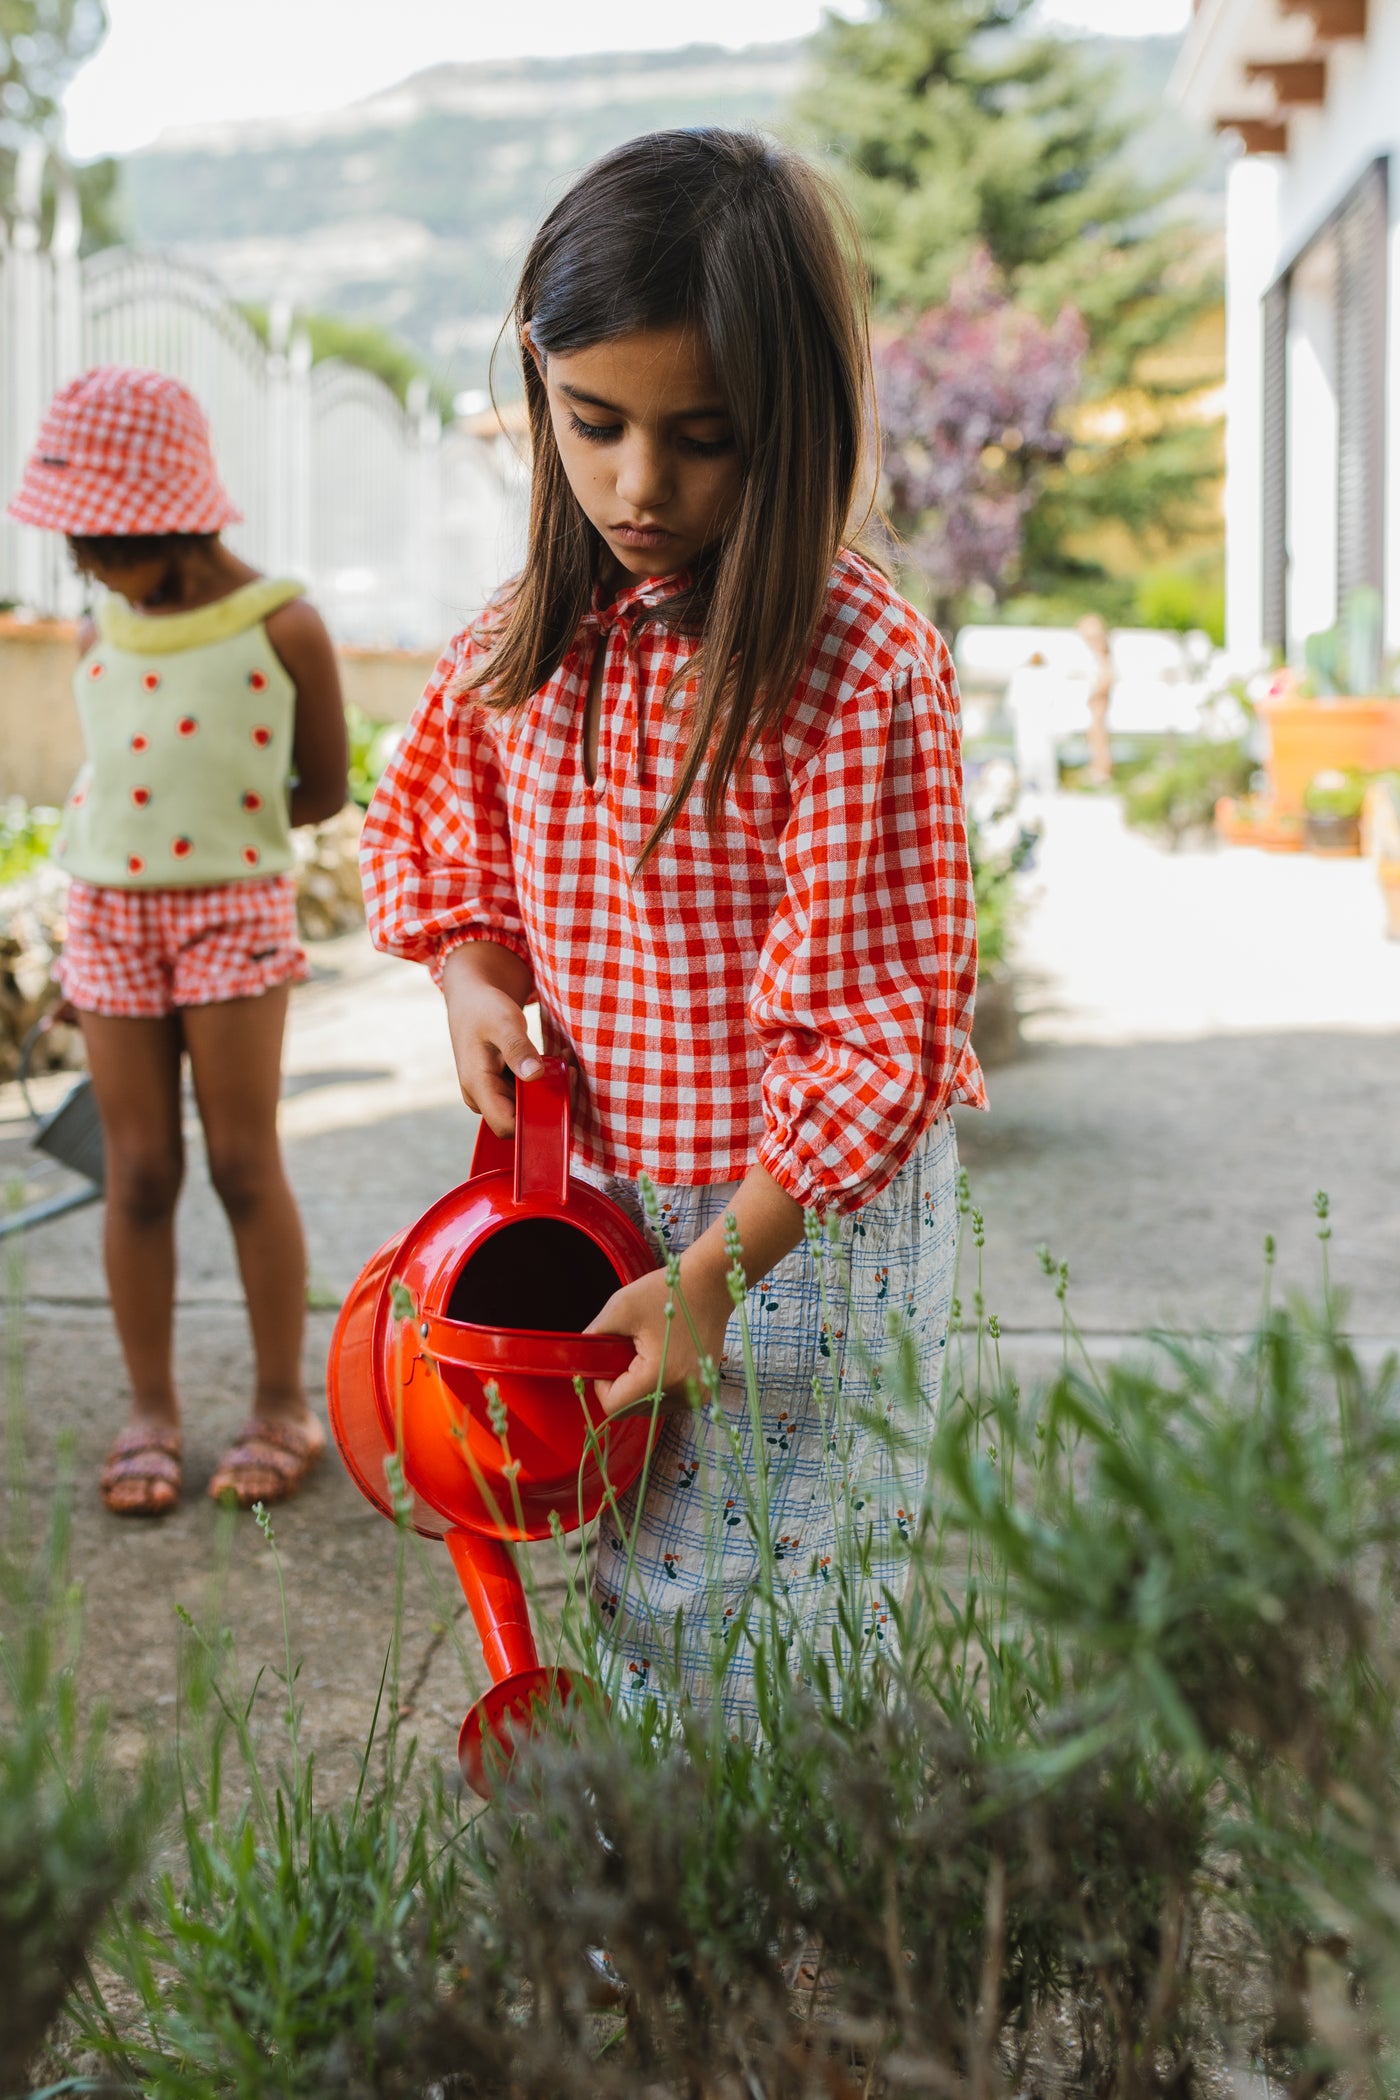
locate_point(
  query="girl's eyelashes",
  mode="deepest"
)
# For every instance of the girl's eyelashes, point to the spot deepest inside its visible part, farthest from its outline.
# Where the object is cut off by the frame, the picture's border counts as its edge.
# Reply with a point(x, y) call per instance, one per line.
point(707, 448)
point(605, 433)
point(596, 433)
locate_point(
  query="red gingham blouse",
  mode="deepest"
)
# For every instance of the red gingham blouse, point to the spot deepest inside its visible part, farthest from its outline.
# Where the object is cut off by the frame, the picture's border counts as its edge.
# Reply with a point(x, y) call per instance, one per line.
point(796, 989)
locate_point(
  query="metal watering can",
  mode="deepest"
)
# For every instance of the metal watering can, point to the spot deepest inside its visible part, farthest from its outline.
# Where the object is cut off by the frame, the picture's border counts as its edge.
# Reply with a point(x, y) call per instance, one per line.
point(71, 1134)
point(502, 1274)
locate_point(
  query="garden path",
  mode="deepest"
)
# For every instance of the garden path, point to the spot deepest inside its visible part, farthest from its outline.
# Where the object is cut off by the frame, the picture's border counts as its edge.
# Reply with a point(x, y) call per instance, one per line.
point(1212, 1038)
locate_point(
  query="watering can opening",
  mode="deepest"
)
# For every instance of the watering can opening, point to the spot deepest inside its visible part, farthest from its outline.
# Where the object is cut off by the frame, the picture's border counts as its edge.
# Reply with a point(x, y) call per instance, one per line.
point(536, 1275)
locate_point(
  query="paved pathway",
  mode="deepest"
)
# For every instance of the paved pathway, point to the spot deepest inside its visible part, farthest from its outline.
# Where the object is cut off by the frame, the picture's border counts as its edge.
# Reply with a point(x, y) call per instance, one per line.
point(1213, 1038)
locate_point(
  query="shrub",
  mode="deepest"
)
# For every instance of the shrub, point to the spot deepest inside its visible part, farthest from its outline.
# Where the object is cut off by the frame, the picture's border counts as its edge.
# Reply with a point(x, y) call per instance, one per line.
point(1185, 600)
point(1119, 1811)
point(25, 837)
point(1174, 796)
point(1336, 794)
point(71, 1839)
point(997, 858)
point(371, 747)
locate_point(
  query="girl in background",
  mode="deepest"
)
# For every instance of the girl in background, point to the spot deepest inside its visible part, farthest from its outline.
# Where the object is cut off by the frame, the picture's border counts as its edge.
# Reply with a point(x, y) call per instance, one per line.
point(693, 784)
point(212, 722)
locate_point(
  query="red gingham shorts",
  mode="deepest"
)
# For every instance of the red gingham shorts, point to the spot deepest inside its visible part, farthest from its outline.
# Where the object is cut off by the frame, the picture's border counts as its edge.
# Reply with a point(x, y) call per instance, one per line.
point(143, 953)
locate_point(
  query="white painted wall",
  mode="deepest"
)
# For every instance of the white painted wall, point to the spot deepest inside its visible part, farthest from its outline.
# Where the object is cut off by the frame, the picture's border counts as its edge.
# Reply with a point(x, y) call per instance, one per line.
point(1329, 149)
point(1251, 243)
point(1275, 206)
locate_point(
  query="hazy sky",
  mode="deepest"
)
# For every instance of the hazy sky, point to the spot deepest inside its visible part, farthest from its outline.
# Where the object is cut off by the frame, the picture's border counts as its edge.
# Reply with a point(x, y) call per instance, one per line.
point(169, 63)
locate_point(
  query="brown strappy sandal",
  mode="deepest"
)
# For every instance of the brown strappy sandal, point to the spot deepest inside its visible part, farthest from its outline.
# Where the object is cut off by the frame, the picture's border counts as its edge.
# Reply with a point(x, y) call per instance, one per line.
point(142, 1477)
point(267, 1462)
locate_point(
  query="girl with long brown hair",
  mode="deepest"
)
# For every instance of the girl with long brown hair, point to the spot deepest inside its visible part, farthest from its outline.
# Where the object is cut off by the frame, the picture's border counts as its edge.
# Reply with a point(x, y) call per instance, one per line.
point(693, 785)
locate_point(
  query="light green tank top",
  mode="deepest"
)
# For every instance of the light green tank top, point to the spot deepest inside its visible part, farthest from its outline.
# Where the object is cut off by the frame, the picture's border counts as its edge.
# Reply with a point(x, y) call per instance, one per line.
point(187, 723)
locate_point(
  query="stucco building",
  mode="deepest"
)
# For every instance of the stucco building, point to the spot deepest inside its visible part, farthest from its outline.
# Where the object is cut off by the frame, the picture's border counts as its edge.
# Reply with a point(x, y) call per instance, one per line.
point(1311, 89)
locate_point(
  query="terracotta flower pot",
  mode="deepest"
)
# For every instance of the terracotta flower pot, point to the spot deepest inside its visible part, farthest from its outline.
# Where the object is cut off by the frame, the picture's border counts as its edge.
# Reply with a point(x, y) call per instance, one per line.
point(1339, 836)
point(1308, 737)
point(1246, 820)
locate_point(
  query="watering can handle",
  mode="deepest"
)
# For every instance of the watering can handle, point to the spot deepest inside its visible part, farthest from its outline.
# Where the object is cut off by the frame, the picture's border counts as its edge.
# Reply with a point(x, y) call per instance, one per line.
point(521, 1351)
point(538, 1154)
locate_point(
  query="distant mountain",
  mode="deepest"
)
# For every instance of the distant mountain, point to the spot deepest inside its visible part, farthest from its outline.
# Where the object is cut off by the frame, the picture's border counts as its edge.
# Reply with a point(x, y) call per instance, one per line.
point(413, 208)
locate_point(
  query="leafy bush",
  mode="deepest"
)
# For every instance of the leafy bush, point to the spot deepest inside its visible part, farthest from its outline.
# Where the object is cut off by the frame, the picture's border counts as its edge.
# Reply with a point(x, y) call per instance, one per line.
point(371, 747)
point(1117, 1812)
point(1336, 793)
point(296, 1941)
point(365, 344)
point(997, 856)
point(71, 1840)
point(1184, 600)
point(1176, 793)
point(25, 837)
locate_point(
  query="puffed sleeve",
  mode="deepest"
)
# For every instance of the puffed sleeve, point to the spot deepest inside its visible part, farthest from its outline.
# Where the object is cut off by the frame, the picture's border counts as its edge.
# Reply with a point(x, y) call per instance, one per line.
point(863, 996)
point(435, 850)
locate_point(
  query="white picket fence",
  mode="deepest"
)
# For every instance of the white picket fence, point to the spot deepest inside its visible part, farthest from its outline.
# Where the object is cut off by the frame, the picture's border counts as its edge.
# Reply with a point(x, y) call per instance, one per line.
point(401, 528)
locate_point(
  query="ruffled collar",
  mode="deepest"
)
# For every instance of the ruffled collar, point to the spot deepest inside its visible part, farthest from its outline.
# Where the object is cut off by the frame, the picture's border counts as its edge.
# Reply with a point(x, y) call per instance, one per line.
point(641, 597)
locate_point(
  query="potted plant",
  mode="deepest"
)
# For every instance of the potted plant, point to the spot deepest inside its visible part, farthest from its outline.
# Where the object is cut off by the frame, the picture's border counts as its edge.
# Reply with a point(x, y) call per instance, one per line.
point(1177, 793)
point(1337, 717)
point(1332, 812)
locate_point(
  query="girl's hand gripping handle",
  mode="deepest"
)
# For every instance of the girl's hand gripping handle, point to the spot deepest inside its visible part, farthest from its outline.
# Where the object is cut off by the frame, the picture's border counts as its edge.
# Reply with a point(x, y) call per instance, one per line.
point(485, 987)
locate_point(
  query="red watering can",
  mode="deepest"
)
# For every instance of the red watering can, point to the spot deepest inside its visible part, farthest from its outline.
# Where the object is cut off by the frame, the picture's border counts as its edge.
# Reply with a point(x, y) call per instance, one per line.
point(500, 1276)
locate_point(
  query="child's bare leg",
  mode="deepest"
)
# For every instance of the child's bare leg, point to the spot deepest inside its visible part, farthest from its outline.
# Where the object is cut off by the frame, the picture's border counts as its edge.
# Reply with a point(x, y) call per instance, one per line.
point(235, 1048)
point(135, 1066)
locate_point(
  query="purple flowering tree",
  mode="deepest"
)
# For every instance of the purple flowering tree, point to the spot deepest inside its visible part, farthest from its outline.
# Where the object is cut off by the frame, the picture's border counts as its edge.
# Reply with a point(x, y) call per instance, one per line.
point(970, 397)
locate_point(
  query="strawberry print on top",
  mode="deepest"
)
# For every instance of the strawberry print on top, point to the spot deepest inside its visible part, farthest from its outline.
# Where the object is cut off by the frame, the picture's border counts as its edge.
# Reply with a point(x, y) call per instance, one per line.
point(162, 728)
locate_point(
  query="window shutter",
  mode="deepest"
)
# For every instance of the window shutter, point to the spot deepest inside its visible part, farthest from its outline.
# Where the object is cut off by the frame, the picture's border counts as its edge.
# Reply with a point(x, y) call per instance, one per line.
point(1275, 468)
point(1361, 229)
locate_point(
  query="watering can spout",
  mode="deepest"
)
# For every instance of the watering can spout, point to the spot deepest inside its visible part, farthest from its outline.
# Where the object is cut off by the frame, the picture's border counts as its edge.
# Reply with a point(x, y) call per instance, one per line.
point(523, 1693)
point(491, 1581)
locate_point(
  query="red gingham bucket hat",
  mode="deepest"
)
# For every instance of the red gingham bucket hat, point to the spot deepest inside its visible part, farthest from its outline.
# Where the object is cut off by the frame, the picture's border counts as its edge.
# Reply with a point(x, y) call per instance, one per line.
point(122, 450)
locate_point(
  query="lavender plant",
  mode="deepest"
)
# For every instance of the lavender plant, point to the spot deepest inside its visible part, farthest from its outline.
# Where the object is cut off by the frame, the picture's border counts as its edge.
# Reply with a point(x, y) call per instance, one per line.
point(1113, 1815)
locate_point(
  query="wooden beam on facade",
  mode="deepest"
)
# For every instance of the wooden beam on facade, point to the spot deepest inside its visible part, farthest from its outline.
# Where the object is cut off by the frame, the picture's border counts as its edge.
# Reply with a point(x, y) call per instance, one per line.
point(1298, 83)
point(1257, 134)
point(1331, 19)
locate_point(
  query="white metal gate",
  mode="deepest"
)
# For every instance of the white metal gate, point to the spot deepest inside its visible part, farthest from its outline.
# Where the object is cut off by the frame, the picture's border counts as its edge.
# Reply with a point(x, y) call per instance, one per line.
point(401, 529)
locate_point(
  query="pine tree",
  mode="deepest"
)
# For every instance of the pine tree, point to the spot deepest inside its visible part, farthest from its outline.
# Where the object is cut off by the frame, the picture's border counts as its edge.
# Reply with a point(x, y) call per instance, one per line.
point(953, 129)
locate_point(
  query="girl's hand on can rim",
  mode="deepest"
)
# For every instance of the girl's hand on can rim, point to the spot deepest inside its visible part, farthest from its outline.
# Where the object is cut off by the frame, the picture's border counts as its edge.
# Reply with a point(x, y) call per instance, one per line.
point(666, 1351)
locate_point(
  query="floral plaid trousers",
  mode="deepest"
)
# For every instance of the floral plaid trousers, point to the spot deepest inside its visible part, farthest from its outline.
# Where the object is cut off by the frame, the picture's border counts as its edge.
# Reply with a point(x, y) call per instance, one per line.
point(678, 1568)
